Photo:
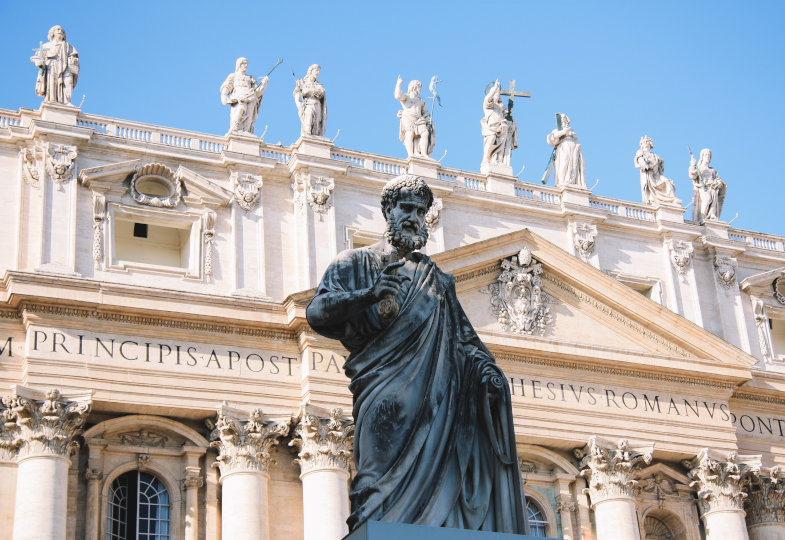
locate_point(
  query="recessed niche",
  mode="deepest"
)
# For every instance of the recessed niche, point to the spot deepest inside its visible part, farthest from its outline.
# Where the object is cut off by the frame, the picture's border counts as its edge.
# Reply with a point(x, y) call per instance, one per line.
point(160, 245)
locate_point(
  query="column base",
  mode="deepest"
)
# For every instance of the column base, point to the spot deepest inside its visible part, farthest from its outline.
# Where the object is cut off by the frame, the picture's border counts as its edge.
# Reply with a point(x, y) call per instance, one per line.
point(382, 530)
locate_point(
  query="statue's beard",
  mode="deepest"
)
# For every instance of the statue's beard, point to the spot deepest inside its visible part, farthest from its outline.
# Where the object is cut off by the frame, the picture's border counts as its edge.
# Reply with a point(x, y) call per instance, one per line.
point(404, 241)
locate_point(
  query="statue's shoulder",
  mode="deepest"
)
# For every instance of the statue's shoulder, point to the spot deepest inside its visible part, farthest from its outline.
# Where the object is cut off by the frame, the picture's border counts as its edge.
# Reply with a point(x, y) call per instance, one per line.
point(354, 255)
point(423, 259)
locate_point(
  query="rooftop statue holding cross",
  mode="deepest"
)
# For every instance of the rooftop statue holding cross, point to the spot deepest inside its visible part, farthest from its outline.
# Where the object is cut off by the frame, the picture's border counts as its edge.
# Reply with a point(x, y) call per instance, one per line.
point(499, 130)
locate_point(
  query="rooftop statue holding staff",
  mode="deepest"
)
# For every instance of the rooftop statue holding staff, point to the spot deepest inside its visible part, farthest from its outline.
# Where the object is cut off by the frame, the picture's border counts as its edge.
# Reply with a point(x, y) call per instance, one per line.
point(310, 100)
point(244, 94)
point(416, 126)
point(58, 68)
point(499, 130)
point(655, 188)
point(434, 442)
point(708, 192)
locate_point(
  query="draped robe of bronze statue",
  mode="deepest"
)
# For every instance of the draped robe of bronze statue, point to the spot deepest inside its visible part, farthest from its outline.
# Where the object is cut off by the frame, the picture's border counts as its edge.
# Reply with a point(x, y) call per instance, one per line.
point(434, 440)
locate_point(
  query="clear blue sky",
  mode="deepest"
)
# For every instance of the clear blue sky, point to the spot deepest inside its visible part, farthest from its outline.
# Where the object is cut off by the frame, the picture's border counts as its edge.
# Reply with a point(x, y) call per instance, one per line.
point(704, 74)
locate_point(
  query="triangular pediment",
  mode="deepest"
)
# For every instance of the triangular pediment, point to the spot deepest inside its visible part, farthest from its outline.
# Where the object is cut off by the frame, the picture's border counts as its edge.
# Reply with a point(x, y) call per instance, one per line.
point(762, 283)
point(114, 178)
point(592, 317)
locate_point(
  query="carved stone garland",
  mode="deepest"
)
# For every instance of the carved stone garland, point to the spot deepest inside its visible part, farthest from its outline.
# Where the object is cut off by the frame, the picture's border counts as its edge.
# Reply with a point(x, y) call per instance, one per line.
point(43, 427)
point(681, 255)
point(99, 215)
point(246, 446)
point(60, 162)
point(762, 324)
point(324, 443)
point(209, 239)
point(726, 270)
point(719, 481)
point(766, 501)
point(247, 191)
point(517, 298)
point(609, 469)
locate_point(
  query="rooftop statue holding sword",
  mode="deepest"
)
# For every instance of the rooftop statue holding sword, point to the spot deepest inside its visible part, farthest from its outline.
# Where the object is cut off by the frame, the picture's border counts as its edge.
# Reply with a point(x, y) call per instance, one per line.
point(244, 94)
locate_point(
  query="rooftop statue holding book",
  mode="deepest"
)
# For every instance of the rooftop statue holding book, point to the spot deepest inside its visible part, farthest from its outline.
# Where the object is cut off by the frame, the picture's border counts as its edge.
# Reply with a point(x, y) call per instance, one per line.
point(434, 441)
point(58, 68)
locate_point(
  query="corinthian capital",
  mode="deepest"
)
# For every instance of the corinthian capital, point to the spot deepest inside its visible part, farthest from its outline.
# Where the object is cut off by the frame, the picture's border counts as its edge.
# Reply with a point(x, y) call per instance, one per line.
point(609, 468)
point(766, 496)
point(324, 439)
point(719, 479)
point(245, 445)
point(37, 423)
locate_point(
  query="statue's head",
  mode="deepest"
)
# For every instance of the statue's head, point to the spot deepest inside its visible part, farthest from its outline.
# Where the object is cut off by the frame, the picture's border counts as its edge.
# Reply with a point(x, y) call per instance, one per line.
point(241, 64)
point(414, 87)
point(705, 156)
point(405, 202)
point(646, 143)
point(313, 72)
point(565, 120)
point(56, 32)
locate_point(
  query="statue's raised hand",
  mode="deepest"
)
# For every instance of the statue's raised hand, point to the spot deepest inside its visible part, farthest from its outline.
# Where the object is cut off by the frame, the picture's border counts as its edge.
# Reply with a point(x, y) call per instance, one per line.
point(388, 283)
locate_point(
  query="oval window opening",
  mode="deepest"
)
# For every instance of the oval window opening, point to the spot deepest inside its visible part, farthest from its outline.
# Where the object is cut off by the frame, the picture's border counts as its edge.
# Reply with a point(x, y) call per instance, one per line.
point(153, 187)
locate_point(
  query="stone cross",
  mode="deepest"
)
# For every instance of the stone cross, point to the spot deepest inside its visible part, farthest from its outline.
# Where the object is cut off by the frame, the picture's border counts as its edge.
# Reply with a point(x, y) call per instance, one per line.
point(513, 94)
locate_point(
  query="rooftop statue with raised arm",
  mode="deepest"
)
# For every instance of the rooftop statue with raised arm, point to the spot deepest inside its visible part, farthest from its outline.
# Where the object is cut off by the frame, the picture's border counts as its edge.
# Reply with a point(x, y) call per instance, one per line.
point(416, 127)
point(244, 94)
point(499, 131)
point(58, 68)
point(434, 442)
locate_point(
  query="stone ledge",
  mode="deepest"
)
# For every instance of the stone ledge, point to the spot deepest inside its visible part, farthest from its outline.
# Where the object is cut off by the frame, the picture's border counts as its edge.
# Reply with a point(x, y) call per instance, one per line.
point(382, 530)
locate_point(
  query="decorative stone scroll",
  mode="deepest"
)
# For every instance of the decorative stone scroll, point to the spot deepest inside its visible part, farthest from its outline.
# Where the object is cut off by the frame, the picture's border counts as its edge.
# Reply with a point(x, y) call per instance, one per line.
point(314, 190)
point(517, 298)
point(209, 239)
point(681, 255)
point(193, 478)
point(323, 442)
point(245, 445)
point(44, 427)
point(247, 191)
point(31, 166)
point(433, 214)
point(726, 270)
point(609, 468)
point(766, 497)
point(60, 161)
point(156, 185)
point(99, 215)
point(583, 236)
point(143, 437)
point(719, 479)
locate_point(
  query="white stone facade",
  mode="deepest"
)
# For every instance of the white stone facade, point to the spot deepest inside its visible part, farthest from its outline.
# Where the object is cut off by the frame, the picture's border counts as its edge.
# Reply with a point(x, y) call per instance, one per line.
point(158, 279)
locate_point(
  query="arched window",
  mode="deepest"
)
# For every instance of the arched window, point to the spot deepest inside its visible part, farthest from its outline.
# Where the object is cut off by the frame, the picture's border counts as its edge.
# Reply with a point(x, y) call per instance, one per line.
point(138, 508)
point(538, 523)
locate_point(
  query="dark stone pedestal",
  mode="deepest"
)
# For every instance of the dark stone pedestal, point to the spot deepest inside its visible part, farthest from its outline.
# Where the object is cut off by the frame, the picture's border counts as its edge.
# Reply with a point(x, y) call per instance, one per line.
point(381, 530)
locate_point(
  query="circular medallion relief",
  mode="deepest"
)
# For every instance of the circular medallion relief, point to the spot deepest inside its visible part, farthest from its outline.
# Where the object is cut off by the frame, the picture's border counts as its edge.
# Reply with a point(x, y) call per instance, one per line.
point(156, 185)
point(779, 289)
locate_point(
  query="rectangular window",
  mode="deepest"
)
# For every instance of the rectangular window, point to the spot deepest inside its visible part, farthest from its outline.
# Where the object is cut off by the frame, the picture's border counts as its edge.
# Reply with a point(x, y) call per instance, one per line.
point(147, 243)
point(778, 338)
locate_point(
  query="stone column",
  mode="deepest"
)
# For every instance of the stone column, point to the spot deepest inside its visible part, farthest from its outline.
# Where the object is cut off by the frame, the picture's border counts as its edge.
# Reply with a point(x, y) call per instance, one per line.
point(765, 504)
point(565, 505)
point(720, 497)
point(10, 441)
point(191, 483)
point(243, 458)
point(325, 443)
point(609, 469)
point(48, 423)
